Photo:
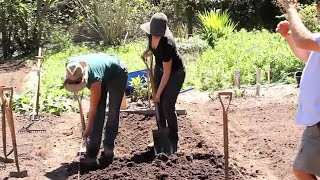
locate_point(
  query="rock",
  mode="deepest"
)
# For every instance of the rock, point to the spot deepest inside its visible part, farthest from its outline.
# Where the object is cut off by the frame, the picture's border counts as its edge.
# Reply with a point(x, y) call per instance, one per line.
point(67, 132)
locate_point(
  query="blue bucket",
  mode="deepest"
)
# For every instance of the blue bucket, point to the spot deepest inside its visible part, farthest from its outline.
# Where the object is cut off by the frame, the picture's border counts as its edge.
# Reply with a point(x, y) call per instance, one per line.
point(141, 73)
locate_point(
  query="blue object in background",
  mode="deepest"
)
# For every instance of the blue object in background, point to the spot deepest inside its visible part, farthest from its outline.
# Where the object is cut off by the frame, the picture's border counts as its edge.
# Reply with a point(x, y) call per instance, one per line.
point(141, 73)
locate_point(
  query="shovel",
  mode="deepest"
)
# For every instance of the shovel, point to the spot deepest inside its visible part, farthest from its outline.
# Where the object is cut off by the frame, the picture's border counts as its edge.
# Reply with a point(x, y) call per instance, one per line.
point(161, 135)
point(83, 123)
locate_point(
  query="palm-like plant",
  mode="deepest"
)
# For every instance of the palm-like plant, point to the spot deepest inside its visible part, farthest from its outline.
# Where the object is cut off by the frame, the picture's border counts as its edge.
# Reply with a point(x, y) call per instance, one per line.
point(215, 24)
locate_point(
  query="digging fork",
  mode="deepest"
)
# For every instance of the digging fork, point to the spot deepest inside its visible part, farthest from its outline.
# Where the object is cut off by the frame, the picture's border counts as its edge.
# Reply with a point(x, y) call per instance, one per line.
point(225, 131)
point(7, 104)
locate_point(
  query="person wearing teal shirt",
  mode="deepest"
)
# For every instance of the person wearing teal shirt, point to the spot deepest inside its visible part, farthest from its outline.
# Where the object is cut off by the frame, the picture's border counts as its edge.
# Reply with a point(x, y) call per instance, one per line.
point(102, 74)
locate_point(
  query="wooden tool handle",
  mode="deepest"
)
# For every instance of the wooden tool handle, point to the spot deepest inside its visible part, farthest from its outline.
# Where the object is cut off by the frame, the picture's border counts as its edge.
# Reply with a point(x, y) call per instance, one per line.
point(226, 93)
point(3, 95)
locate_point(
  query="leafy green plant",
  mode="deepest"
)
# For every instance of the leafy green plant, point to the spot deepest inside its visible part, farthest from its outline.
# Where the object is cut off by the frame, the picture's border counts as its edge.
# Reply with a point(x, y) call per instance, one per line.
point(244, 51)
point(309, 17)
point(61, 40)
point(191, 45)
point(215, 24)
point(23, 103)
point(140, 88)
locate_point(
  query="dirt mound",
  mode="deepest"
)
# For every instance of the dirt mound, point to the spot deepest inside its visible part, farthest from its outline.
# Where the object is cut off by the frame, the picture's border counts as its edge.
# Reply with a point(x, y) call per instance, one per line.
point(133, 161)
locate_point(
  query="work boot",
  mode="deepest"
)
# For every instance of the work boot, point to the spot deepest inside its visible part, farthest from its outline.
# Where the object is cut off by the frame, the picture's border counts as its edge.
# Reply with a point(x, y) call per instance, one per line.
point(151, 145)
point(108, 152)
point(174, 146)
point(88, 161)
point(106, 157)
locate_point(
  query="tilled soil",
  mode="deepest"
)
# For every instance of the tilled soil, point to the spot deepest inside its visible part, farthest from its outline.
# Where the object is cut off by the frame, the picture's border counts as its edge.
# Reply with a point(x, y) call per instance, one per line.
point(134, 161)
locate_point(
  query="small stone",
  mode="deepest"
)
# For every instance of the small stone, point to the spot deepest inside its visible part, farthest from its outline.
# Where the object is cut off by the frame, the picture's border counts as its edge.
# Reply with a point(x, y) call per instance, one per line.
point(67, 132)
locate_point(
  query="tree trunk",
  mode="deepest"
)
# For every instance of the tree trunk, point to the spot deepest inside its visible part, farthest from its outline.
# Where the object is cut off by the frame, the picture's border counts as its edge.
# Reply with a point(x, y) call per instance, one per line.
point(4, 40)
point(190, 15)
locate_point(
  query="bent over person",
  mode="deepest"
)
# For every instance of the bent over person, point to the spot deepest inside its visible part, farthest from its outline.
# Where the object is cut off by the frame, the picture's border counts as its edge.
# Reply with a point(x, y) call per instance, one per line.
point(169, 73)
point(102, 74)
point(306, 46)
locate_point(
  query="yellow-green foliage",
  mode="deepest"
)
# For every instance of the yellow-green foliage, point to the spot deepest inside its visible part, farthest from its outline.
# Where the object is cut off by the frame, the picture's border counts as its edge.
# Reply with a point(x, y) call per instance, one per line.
point(244, 51)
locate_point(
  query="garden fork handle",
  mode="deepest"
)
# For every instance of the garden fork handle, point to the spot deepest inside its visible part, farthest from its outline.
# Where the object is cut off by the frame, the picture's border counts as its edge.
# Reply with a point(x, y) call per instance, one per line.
point(225, 131)
point(153, 87)
point(7, 100)
point(83, 123)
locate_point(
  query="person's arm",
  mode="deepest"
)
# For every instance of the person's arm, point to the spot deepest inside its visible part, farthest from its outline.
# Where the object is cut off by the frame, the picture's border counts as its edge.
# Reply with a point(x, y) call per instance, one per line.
point(300, 53)
point(94, 101)
point(165, 78)
point(284, 29)
point(302, 36)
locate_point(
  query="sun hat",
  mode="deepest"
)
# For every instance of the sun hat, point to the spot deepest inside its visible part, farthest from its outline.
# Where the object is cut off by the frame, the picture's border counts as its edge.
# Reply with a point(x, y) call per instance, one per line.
point(76, 77)
point(158, 26)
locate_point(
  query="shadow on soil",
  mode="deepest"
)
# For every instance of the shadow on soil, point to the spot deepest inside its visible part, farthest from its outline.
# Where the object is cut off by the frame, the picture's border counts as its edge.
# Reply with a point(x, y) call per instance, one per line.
point(67, 170)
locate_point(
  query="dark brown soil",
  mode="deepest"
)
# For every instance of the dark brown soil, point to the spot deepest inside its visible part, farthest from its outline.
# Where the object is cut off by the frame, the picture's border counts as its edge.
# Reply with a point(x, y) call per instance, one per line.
point(133, 161)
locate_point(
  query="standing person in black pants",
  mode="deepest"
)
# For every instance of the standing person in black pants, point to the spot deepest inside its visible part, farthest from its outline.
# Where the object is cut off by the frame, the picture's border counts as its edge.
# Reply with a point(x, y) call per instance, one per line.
point(169, 73)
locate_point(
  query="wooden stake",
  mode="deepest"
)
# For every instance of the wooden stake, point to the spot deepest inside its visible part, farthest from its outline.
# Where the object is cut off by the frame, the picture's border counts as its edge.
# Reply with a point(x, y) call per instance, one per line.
point(237, 78)
point(258, 82)
point(269, 80)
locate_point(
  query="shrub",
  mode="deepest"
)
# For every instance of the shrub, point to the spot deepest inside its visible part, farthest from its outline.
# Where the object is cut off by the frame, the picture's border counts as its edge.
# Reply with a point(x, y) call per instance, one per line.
point(244, 51)
point(140, 88)
point(214, 25)
point(308, 14)
point(191, 45)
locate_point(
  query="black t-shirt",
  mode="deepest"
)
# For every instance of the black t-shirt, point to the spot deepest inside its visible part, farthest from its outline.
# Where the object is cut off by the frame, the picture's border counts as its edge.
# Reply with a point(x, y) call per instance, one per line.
point(166, 51)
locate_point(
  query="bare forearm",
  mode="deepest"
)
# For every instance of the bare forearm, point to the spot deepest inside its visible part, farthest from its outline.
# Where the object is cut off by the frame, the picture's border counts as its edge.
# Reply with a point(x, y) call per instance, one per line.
point(302, 54)
point(163, 83)
point(92, 114)
point(302, 36)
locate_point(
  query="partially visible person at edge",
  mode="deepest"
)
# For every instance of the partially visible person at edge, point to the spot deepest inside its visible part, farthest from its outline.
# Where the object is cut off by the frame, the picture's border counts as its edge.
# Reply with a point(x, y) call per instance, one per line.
point(306, 46)
point(102, 74)
point(169, 72)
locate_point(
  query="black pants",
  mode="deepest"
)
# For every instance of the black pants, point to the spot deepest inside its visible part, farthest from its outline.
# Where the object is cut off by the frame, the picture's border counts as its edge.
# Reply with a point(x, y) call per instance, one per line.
point(168, 117)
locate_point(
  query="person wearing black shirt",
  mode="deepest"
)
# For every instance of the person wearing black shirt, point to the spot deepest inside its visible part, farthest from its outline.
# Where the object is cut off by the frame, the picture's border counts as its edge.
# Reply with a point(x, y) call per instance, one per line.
point(169, 72)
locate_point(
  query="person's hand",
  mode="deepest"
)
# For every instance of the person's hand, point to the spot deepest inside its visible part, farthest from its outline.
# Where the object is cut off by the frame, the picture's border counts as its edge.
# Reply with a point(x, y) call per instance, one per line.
point(146, 54)
point(284, 28)
point(86, 132)
point(156, 99)
point(290, 4)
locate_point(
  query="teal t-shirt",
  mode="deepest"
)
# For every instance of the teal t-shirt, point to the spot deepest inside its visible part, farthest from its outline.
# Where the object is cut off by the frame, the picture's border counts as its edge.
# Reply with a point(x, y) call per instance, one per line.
point(101, 67)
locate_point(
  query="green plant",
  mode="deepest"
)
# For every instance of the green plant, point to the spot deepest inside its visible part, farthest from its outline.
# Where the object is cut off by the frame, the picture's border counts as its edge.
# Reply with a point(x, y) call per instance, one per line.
point(308, 14)
point(191, 45)
point(140, 88)
point(23, 25)
point(61, 40)
point(215, 24)
point(244, 51)
point(23, 103)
